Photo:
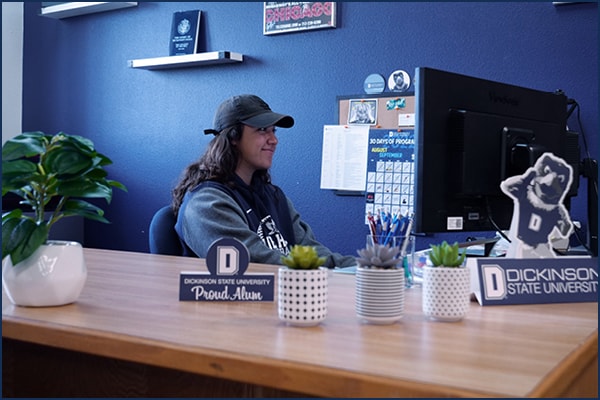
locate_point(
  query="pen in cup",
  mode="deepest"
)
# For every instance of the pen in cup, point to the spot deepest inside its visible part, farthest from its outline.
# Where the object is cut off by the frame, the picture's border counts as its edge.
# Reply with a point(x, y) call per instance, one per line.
point(403, 252)
point(372, 226)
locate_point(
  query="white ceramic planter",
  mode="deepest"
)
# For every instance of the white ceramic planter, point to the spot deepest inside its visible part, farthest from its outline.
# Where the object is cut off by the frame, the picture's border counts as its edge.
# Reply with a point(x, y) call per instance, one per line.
point(53, 275)
point(302, 296)
point(446, 293)
point(379, 295)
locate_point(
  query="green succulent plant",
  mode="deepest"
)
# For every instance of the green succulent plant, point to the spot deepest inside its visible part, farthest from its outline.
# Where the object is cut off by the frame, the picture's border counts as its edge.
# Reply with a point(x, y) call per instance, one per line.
point(379, 256)
point(446, 255)
point(40, 168)
point(303, 257)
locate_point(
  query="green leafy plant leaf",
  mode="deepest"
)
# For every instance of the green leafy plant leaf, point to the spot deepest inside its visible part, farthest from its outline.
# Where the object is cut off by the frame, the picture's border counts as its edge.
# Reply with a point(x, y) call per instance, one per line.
point(39, 168)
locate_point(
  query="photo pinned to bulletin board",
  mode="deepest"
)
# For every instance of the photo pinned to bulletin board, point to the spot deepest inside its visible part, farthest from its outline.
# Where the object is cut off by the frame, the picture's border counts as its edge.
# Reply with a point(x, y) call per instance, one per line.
point(362, 112)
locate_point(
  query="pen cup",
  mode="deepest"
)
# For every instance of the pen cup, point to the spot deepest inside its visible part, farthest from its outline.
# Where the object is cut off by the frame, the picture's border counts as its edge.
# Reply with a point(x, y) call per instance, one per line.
point(420, 260)
point(407, 252)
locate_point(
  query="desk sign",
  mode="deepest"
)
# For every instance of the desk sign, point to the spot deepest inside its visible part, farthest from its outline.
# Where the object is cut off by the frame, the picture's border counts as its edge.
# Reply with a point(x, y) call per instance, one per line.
point(502, 281)
point(227, 260)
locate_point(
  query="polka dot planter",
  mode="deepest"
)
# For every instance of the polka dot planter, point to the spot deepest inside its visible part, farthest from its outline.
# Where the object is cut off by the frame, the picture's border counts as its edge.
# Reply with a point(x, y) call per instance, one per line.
point(302, 296)
point(446, 293)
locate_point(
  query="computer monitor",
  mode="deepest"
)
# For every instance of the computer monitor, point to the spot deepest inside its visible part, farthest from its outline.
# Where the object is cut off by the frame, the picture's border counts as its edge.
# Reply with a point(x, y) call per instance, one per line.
point(470, 135)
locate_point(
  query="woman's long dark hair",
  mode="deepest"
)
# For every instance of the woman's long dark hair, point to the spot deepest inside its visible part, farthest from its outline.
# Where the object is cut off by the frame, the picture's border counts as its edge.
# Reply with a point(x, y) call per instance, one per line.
point(218, 163)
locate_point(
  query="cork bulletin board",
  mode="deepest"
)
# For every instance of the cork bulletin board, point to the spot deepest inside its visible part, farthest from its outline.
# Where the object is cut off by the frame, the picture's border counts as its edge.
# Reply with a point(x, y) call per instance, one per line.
point(389, 107)
point(390, 179)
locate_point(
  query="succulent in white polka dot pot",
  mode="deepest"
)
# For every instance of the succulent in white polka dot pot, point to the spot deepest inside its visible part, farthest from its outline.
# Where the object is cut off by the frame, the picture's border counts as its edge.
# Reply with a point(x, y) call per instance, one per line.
point(302, 287)
point(446, 284)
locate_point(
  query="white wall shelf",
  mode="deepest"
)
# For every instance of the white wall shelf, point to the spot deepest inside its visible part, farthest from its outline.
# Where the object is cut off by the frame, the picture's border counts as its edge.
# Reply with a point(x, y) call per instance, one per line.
point(73, 9)
point(188, 60)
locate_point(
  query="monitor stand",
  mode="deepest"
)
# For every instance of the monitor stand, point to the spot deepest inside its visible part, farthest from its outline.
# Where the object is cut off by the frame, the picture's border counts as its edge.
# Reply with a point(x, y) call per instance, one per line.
point(488, 245)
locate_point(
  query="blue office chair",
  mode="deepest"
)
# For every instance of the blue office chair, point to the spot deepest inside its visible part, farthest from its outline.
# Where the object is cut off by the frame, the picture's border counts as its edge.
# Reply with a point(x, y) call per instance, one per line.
point(162, 235)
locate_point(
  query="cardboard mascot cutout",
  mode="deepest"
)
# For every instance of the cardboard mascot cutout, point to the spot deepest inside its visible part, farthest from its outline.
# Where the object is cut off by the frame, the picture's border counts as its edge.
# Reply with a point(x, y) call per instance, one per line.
point(539, 211)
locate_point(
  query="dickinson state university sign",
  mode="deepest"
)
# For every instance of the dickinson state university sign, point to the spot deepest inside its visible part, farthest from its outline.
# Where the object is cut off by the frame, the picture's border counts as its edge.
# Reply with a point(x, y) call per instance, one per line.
point(531, 281)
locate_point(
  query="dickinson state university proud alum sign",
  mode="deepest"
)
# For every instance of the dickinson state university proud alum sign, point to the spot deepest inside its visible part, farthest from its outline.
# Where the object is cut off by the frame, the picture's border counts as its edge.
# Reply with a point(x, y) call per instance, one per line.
point(227, 260)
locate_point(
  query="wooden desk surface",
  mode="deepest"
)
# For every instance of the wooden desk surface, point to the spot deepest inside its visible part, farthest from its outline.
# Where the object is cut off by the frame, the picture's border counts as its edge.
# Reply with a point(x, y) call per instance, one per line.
point(129, 310)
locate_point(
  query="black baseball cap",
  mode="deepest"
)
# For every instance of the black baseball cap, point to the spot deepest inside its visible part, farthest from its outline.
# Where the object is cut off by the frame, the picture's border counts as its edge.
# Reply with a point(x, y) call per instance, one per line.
point(250, 110)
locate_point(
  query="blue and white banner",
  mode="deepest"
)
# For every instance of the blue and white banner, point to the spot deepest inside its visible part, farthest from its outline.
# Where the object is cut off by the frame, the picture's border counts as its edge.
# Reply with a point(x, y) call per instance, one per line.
point(502, 281)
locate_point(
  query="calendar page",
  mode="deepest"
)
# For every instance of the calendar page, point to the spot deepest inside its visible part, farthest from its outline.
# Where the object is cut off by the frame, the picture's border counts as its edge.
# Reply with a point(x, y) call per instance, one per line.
point(390, 172)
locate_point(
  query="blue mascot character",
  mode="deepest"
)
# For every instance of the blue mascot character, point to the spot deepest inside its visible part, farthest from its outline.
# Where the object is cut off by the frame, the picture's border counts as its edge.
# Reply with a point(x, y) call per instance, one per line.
point(538, 197)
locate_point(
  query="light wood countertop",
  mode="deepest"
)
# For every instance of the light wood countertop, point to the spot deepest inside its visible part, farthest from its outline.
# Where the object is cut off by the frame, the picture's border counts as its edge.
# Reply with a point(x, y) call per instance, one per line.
point(130, 310)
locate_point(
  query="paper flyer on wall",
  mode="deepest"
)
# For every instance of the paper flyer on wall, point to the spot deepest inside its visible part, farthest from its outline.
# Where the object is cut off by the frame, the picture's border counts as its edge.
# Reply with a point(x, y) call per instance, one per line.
point(344, 158)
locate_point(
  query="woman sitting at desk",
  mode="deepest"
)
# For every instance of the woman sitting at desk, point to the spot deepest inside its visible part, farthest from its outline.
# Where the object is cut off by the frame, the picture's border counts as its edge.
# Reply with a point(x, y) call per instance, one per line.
point(228, 191)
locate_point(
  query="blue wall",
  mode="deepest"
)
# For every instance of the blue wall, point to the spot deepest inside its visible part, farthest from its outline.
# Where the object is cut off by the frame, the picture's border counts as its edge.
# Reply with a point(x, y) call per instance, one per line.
point(77, 79)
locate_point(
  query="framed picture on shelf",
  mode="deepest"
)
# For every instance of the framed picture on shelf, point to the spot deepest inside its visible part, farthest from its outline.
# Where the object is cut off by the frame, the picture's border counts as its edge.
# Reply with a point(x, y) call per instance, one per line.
point(283, 17)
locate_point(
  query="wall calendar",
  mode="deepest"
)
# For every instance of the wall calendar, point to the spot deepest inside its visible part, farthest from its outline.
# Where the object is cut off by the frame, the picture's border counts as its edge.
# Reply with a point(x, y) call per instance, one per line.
point(390, 173)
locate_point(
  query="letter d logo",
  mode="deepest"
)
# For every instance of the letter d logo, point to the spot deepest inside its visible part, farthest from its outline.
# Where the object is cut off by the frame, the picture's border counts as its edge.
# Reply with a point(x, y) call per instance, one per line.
point(227, 256)
point(227, 260)
point(494, 284)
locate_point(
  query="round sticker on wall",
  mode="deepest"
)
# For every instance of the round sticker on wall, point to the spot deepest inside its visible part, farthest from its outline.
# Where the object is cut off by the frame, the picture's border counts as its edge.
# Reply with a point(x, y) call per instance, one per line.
point(374, 83)
point(399, 81)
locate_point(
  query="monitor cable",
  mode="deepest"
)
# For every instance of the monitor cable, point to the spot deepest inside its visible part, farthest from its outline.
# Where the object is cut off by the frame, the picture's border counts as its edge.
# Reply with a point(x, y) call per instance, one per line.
point(493, 222)
point(589, 169)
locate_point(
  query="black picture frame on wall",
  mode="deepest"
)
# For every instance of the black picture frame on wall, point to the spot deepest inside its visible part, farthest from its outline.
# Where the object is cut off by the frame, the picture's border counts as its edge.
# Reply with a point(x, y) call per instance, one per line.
point(285, 17)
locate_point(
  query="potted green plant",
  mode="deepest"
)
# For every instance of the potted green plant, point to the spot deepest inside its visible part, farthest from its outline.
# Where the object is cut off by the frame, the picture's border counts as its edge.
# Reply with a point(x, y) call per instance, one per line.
point(380, 284)
point(52, 174)
point(446, 284)
point(302, 287)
